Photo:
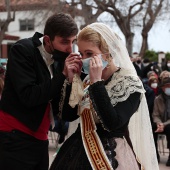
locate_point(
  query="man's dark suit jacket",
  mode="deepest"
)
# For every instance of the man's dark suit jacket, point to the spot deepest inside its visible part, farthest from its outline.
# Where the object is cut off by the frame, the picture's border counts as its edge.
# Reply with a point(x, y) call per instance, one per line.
point(28, 84)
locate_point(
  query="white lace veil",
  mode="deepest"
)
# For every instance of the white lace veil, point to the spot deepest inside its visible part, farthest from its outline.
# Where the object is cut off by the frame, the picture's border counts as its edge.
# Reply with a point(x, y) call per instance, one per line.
point(139, 125)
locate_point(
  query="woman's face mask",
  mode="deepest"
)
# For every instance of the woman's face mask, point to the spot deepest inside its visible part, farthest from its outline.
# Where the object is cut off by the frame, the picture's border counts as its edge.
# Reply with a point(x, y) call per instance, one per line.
point(86, 64)
point(138, 61)
point(154, 85)
point(168, 64)
point(167, 91)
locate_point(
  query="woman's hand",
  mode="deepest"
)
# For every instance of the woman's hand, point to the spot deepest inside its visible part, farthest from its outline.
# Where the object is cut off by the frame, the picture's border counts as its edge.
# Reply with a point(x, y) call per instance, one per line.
point(73, 64)
point(96, 67)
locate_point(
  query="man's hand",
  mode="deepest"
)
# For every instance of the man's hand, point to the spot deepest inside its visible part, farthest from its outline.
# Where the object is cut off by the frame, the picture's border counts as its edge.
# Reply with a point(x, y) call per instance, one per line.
point(160, 127)
point(73, 64)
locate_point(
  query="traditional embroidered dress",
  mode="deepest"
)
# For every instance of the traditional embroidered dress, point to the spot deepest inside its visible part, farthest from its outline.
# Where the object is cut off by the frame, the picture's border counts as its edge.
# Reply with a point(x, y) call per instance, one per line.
point(120, 153)
point(98, 145)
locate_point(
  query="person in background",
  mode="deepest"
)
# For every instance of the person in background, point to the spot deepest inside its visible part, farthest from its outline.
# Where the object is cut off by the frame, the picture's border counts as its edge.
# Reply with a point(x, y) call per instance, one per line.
point(167, 65)
point(1, 86)
point(61, 128)
point(153, 84)
point(161, 112)
point(151, 73)
point(156, 68)
point(2, 72)
point(164, 74)
point(32, 93)
point(111, 103)
point(2, 76)
point(138, 61)
point(138, 65)
point(147, 67)
point(163, 64)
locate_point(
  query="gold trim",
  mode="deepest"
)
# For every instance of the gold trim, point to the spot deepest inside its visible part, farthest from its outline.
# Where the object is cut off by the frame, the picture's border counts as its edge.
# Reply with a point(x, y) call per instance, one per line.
point(93, 146)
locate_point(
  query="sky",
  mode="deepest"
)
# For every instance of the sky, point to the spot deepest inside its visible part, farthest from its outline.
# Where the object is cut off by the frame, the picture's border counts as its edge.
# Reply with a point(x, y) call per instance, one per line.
point(159, 37)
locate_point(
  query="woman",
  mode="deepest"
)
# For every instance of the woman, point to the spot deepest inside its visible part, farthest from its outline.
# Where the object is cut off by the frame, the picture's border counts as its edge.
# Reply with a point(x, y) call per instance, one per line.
point(153, 84)
point(164, 74)
point(167, 65)
point(113, 97)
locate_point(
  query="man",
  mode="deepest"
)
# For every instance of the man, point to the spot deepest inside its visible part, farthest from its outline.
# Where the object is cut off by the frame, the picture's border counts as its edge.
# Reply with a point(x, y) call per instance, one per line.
point(147, 64)
point(137, 64)
point(32, 91)
point(161, 112)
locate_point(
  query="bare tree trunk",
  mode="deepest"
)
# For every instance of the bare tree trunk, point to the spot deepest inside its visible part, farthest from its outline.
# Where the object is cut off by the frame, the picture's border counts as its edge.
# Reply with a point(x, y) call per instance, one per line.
point(148, 21)
point(129, 43)
point(144, 46)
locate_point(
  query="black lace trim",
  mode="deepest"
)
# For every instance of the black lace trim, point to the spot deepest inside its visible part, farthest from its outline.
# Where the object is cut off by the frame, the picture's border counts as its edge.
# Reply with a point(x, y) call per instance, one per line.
point(109, 147)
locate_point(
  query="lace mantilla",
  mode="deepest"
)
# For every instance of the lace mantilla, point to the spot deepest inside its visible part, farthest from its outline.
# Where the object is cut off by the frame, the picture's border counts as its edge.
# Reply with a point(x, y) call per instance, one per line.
point(126, 82)
point(76, 92)
point(120, 87)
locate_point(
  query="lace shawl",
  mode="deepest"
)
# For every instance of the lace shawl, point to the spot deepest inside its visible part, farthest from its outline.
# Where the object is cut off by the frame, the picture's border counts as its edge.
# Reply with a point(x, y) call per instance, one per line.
point(123, 84)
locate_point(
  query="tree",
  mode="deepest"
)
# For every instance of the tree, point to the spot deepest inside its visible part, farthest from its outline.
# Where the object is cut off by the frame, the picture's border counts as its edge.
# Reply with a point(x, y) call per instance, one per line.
point(151, 13)
point(130, 15)
point(81, 8)
point(123, 13)
point(87, 10)
point(117, 9)
point(4, 23)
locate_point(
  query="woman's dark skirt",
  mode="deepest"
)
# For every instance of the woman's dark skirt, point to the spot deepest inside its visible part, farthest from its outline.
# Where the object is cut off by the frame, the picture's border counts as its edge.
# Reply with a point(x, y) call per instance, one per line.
point(72, 155)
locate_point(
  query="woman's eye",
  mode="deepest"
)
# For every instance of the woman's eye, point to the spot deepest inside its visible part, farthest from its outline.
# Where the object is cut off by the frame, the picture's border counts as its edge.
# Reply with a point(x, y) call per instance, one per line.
point(89, 54)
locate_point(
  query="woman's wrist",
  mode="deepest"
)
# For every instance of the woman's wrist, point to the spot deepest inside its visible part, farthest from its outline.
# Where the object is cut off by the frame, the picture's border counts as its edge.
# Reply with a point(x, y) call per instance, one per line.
point(95, 80)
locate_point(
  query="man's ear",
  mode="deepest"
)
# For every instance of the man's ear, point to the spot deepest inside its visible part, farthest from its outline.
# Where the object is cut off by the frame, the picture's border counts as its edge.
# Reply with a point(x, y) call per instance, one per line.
point(47, 40)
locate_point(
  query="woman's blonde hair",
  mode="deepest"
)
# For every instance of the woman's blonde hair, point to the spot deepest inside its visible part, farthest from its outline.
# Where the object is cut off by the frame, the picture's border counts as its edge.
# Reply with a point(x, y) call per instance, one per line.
point(90, 35)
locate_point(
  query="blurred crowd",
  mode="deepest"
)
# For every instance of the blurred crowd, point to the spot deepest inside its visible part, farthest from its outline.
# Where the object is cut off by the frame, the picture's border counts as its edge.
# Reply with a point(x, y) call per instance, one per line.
point(156, 81)
point(2, 76)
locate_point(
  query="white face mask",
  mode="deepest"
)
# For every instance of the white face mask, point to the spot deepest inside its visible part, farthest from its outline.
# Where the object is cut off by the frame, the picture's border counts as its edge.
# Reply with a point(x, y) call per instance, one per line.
point(145, 64)
point(154, 85)
point(167, 91)
point(168, 64)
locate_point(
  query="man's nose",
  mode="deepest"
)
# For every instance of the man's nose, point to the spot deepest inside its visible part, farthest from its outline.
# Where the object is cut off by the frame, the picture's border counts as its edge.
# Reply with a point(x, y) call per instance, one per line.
point(70, 48)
